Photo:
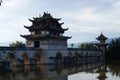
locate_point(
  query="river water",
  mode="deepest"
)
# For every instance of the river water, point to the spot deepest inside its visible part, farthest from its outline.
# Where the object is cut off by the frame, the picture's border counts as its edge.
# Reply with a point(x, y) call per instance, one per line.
point(83, 71)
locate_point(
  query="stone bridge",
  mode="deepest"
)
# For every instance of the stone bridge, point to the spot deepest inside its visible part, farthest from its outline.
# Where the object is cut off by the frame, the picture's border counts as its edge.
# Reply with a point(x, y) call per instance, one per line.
point(33, 56)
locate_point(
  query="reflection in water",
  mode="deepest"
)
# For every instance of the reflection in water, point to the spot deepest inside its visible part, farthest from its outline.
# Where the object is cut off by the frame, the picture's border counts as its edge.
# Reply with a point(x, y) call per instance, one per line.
point(114, 70)
point(102, 70)
point(84, 71)
point(108, 71)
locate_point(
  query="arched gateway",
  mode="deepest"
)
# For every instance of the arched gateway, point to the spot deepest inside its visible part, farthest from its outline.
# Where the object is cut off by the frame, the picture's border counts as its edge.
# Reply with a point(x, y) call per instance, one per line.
point(58, 57)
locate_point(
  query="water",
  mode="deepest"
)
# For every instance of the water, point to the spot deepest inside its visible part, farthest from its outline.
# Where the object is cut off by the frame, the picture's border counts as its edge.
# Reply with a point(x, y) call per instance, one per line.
point(84, 71)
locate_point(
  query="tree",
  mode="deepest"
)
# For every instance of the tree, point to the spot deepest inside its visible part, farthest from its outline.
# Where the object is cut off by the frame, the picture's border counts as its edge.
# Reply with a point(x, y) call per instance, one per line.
point(113, 51)
point(87, 46)
point(1, 2)
point(81, 46)
point(72, 45)
point(17, 44)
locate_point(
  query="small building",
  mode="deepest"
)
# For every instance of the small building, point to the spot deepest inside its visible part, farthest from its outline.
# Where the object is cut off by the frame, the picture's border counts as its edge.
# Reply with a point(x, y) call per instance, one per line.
point(102, 43)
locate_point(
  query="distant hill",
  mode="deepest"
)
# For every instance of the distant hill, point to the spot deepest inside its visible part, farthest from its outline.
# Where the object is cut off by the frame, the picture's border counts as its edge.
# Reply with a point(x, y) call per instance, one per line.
point(109, 40)
point(4, 43)
point(77, 44)
point(69, 44)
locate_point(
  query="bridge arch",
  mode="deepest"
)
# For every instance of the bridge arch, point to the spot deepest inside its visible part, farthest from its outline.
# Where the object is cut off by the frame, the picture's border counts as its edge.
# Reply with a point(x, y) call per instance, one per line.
point(37, 57)
point(11, 56)
point(70, 54)
point(25, 58)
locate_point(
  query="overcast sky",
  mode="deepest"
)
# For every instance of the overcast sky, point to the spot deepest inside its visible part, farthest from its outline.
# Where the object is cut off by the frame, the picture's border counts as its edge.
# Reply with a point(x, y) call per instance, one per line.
point(86, 19)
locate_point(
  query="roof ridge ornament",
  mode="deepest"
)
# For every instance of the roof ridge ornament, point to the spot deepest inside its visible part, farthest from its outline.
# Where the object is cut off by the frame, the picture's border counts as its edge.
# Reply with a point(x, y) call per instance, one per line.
point(101, 32)
point(39, 15)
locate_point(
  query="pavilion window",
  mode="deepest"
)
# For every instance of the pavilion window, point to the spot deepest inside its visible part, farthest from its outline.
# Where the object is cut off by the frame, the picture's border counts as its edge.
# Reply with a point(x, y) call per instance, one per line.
point(61, 34)
point(43, 32)
point(47, 32)
point(32, 32)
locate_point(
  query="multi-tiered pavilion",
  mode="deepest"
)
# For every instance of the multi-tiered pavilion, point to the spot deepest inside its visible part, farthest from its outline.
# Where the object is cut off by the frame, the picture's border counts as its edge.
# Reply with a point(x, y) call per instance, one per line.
point(46, 31)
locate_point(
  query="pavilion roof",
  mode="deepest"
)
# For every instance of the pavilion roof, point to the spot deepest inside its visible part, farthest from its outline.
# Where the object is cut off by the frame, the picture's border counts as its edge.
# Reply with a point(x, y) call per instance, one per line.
point(43, 36)
point(101, 37)
point(46, 21)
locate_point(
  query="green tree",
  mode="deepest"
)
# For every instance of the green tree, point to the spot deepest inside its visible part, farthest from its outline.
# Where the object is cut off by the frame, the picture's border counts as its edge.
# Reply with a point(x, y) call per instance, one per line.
point(113, 51)
point(17, 44)
point(81, 46)
point(87, 46)
point(72, 45)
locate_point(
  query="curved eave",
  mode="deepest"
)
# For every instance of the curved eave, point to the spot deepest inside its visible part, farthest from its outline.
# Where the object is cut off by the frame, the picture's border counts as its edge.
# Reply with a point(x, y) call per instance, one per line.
point(99, 38)
point(61, 37)
point(24, 36)
point(66, 29)
point(37, 28)
point(98, 44)
point(27, 27)
point(57, 19)
point(31, 20)
point(46, 28)
point(44, 36)
point(34, 28)
point(33, 36)
point(61, 23)
point(58, 29)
